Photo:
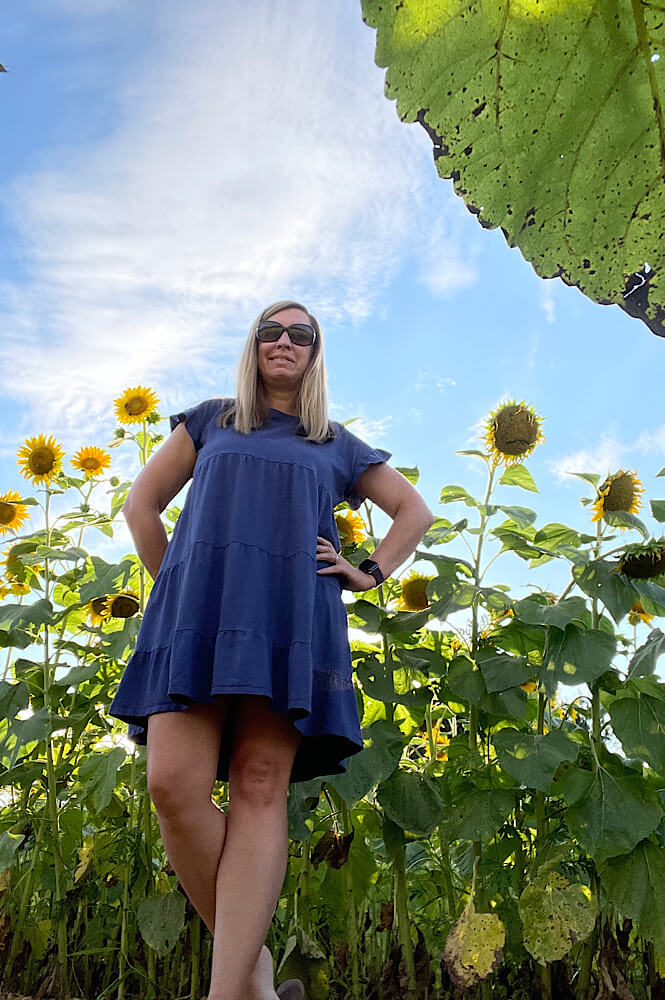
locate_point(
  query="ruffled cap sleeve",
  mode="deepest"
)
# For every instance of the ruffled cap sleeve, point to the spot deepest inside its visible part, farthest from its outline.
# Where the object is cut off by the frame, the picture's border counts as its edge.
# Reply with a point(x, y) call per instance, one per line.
point(359, 456)
point(198, 418)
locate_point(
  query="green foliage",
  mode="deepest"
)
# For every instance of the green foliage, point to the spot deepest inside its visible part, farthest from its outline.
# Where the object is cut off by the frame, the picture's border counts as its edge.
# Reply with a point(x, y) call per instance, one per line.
point(544, 118)
point(474, 947)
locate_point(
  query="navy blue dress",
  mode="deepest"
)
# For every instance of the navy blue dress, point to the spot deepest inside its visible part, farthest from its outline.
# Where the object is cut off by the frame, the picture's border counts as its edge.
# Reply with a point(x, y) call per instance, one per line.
point(237, 606)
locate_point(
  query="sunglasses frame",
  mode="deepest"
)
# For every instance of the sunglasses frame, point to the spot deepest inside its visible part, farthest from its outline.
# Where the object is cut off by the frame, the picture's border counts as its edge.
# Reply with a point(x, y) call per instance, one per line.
point(269, 322)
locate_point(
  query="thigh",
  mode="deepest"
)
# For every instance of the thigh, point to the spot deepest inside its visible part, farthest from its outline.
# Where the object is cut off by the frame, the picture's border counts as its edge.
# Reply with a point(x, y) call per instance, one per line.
point(264, 744)
point(183, 750)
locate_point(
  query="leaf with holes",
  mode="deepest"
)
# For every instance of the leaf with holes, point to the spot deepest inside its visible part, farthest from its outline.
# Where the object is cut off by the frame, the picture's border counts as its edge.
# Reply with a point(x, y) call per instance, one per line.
point(549, 119)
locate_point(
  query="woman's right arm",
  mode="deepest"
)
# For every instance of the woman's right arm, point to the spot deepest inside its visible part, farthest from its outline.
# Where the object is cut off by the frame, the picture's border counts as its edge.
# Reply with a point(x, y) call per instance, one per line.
point(162, 478)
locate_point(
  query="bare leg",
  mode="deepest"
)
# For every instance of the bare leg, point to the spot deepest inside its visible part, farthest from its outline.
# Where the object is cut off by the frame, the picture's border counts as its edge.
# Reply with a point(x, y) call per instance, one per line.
point(253, 864)
point(182, 754)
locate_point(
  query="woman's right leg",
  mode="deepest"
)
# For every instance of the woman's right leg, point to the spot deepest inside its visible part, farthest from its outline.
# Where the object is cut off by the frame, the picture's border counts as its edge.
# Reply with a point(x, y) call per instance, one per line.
point(182, 755)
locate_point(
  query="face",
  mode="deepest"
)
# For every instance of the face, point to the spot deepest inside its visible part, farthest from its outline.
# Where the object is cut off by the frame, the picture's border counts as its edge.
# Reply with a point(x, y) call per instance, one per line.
point(282, 364)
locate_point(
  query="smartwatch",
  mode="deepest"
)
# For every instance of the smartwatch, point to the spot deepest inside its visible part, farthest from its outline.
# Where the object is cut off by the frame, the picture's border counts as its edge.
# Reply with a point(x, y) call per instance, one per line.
point(373, 568)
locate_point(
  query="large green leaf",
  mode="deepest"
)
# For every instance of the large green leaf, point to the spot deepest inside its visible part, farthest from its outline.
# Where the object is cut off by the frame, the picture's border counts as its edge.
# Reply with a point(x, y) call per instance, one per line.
point(478, 814)
point(576, 656)
point(98, 774)
point(549, 119)
point(534, 612)
point(640, 725)
point(635, 883)
point(501, 671)
point(598, 579)
point(644, 659)
point(412, 801)
point(532, 759)
point(161, 920)
point(609, 815)
point(376, 762)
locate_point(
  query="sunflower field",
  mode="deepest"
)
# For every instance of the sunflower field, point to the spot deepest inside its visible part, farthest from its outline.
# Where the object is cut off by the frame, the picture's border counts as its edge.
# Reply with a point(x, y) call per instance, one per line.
point(501, 835)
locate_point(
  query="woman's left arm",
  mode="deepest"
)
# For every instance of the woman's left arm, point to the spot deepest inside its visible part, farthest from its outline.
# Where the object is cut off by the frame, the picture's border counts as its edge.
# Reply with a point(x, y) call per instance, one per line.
point(411, 518)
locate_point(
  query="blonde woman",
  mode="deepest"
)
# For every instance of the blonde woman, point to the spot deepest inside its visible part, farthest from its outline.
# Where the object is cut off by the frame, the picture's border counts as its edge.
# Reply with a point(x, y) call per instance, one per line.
point(242, 668)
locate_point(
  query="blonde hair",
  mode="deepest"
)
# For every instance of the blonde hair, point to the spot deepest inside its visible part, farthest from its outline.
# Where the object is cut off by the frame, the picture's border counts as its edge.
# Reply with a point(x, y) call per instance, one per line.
point(249, 410)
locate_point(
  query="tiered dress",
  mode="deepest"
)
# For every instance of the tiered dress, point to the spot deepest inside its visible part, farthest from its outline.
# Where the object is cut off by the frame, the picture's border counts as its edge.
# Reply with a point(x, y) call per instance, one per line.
point(237, 606)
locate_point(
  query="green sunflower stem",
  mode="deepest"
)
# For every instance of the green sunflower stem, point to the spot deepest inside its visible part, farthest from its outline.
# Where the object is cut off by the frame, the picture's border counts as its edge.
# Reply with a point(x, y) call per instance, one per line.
point(123, 957)
point(351, 914)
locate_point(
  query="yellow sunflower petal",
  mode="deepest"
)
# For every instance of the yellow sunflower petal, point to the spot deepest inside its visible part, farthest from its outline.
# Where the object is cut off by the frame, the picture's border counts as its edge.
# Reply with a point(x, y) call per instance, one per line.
point(13, 513)
point(637, 614)
point(512, 432)
point(414, 593)
point(96, 611)
point(91, 461)
point(350, 527)
point(135, 405)
point(40, 458)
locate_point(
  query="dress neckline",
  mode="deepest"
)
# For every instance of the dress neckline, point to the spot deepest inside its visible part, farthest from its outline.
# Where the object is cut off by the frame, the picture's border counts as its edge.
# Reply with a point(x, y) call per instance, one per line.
point(282, 415)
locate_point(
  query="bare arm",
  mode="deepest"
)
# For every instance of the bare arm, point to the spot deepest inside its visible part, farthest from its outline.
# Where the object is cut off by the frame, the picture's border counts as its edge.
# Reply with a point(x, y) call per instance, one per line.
point(395, 495)
point(157, 483)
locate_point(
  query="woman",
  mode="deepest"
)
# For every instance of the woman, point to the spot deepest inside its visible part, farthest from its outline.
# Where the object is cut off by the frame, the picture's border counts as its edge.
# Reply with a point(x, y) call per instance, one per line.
point(242, 668)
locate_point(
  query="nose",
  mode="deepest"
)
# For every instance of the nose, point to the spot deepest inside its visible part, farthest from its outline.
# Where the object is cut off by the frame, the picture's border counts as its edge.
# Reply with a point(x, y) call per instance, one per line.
point(284, 340)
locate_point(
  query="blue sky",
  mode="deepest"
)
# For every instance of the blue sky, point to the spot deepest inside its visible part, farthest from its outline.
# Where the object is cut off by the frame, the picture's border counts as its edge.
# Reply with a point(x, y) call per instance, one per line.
point(173, 168)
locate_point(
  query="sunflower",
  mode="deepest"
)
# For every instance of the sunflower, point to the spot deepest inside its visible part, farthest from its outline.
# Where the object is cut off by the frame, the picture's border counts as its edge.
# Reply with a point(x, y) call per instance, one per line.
point(18, 587)
point(350, 527)
point(4, 590)
point(91, 461)
point(529, 686)
point(637, 614)
point(618, 492)
point(441, 744)
point(135, 405)
point(512, 432)
point(414, 593)
point(13, 513)
point(96, 611)
point(643, 561)
point(40, 458)
point(121, 605)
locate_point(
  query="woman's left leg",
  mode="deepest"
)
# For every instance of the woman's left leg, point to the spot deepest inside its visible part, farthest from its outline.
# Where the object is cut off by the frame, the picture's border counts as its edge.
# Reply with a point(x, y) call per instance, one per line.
point(253, 864)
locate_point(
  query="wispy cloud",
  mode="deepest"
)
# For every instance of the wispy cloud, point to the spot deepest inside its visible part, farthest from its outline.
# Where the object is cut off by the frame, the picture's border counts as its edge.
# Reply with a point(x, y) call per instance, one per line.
point(547, 301)
point(249, 161)
point(605, 457)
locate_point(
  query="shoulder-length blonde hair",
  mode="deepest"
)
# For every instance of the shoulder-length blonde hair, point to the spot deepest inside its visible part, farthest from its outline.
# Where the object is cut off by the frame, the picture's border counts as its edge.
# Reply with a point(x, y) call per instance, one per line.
point(249, 410)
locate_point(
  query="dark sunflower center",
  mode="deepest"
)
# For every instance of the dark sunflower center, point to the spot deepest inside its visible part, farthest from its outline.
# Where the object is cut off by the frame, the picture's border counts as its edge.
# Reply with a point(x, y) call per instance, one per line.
point(7, 512)
point(41, 461)
point(136, 405)
point(90, 463)
point(515, 430)
point(414, 593)
point(98, 605)
point(642, 565)
point(621, 494)
point(123, 606)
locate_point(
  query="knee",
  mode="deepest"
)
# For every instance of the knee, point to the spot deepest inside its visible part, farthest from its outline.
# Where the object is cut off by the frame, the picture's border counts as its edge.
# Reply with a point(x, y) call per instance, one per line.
point(176, 795)
point(257, 780)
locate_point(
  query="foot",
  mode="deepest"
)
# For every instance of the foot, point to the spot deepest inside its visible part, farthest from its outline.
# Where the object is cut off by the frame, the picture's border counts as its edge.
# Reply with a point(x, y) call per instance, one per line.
point(261, 984)
point(291, 989)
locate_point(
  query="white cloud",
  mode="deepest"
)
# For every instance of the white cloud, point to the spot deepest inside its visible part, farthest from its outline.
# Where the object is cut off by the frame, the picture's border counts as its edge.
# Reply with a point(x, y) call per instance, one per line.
point(547, 299)
point(428, 380)
point(249, 161)
point(443, 268)
point(605, 457)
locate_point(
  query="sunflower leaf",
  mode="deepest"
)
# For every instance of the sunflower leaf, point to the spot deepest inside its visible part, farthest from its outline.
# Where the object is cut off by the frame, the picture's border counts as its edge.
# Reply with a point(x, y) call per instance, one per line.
point(576, 656)
point(644, 659)
point(658, 506)
point(635, 883)
point(532, 759)
point(571, 88)
point(518, 475)
point(622, 519)
point(588, 477)
point(412, 474)
point(474, 451)
point(639, 723)
point(598, 579)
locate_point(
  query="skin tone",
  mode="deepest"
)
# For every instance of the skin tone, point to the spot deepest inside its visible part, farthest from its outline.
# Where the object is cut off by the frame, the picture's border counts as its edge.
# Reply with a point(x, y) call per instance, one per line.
point(232, 865)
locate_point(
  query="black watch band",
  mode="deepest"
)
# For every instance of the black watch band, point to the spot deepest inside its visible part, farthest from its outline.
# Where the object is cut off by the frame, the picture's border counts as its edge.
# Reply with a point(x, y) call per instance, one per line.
point(373, 568)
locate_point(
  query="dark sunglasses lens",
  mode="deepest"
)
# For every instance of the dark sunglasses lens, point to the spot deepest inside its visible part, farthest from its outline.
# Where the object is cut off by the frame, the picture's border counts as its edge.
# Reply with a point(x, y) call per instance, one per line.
point(301, 334)
point(268, 332)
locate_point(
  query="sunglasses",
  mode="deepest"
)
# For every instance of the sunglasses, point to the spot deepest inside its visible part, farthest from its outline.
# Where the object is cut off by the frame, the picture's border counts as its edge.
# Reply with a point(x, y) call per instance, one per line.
point(268, 331)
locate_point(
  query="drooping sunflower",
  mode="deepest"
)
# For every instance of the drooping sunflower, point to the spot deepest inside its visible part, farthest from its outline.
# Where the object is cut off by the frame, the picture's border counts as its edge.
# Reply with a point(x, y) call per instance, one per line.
point(13, 513)
point(512, 432)
point(641, 562)
point(350, 527)
point(135, 405)
point(122, 605)
point(637, 614)
point(620, 491)
point(414, 593)
point(91, 461)
point(40, 458)
point(96, 611)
